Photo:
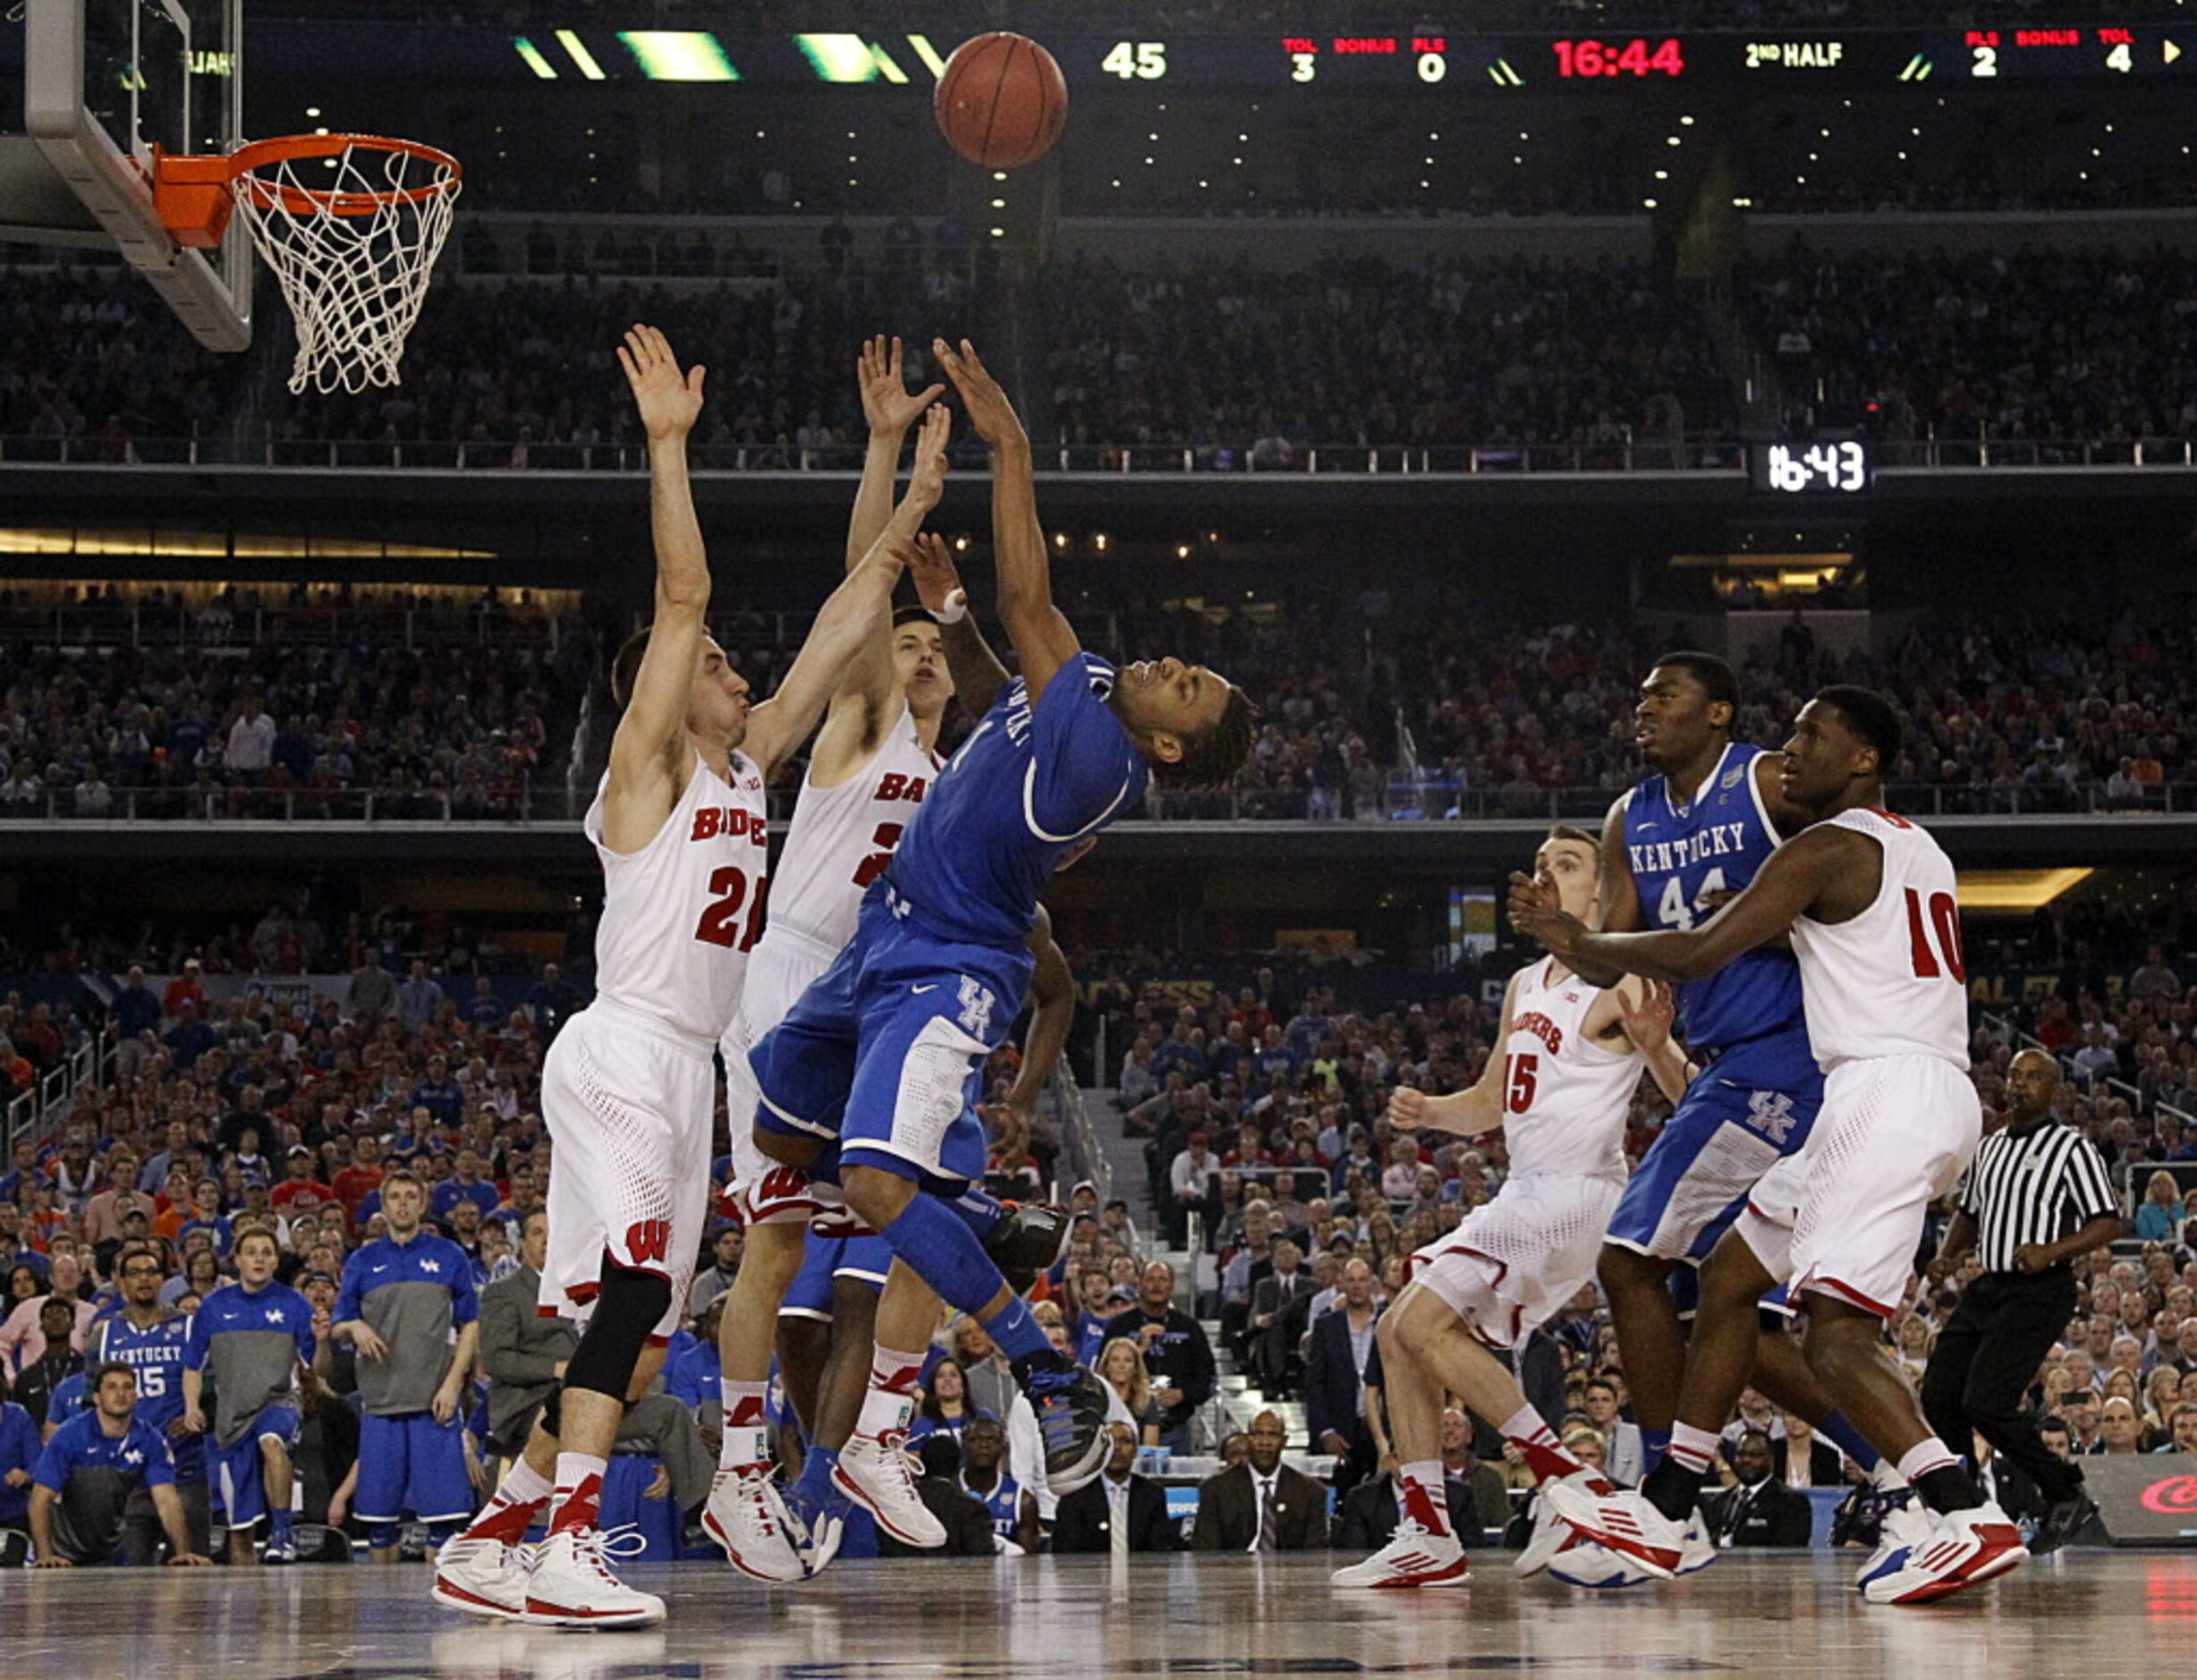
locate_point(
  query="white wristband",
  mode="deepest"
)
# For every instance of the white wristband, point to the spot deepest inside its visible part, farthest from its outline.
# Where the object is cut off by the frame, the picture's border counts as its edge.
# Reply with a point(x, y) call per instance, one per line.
point(955, 609)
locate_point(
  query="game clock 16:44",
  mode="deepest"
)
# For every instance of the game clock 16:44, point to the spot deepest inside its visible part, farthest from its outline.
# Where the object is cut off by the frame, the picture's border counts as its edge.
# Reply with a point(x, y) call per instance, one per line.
point(1610, 60)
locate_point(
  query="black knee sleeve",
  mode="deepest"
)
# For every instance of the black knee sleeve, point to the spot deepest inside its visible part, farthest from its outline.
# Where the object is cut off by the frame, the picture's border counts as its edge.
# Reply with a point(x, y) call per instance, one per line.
point(628, 1307)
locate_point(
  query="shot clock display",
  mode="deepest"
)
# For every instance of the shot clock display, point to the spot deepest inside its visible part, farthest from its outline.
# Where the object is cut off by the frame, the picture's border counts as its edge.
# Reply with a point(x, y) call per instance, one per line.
point(1843, 468)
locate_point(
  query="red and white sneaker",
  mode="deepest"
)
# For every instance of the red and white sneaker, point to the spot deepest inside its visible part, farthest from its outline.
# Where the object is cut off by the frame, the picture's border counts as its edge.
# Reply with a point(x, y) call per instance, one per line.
point(1962, 1550)
point(745, 1514)
point(482, 1577)
point(1550, 1536)
point(1624, 1522)
point(874, 1471)
point(1415, 1556)
point(571, 1584)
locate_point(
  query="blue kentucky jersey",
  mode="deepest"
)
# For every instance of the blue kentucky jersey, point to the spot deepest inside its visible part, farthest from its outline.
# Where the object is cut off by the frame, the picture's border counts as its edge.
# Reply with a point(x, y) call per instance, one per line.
point(156, 1353)
point(1025, 787)
point(138, 1456)
point(1683, 853)
point(1003, 1505)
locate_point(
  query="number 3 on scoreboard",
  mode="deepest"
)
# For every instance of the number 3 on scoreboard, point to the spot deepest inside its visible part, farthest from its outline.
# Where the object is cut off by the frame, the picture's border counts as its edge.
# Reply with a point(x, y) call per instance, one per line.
point(720, 923)
point(1144, 61)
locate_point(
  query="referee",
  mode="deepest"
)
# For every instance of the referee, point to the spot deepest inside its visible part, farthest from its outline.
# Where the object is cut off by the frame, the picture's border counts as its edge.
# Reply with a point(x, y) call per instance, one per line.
point(2031, 1184)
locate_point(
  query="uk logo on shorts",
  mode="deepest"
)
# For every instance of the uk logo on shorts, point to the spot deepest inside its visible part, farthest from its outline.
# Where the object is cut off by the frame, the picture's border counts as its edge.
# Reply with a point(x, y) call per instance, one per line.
point(976, 1007)
point(1771, 1113)
point(649, 1240)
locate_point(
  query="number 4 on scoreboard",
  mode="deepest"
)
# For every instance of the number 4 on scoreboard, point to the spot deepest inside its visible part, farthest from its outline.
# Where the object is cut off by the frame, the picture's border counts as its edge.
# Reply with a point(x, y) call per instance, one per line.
point(1143, 61)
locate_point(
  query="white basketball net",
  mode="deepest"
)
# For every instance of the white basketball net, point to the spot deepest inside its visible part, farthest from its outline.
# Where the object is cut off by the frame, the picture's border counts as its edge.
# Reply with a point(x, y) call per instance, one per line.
point(354, 282)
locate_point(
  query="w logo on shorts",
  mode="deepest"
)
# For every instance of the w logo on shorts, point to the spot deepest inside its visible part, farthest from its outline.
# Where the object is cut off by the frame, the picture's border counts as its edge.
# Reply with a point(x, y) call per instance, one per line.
point(976, 1008)
point(648, 1240)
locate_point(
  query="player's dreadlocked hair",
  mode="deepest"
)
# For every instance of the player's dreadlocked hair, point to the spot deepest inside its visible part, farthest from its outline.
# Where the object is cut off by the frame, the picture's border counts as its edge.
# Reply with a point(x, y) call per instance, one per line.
point(1211, 760)
point(1870, 716)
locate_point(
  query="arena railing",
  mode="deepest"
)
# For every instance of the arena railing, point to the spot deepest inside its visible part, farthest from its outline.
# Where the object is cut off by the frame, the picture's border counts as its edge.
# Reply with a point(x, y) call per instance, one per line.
point(1078, 1136)
point(171, 625)
point(557, 799)
point(1703, 453)
point(34, 1113)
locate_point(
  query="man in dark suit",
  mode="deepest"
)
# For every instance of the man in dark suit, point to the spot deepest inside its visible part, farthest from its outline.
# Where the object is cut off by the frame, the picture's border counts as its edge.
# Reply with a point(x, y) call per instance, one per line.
point(1273, 1359)
point(1262, 1505)
point(1335, 1374)
point(1762, 1510)
point(524, 1355)
point(1472, 1490)
point(1116, 1502)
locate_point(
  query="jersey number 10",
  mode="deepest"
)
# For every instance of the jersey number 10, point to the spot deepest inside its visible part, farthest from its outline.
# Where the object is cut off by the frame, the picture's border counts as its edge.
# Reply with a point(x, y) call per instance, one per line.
point(1944, 922)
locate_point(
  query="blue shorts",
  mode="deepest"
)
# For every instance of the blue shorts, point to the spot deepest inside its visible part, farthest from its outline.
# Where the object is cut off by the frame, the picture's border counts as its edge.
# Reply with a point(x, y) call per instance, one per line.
point(810, 1297)
point(886, 1050)
point(237, 1475)
point(1747, 1110)
point(411, 1463)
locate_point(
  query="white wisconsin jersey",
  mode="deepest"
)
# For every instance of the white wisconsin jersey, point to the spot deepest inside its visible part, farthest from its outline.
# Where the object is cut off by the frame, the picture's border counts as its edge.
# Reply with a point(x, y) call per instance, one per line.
point(680, 914)
point(1892, 981)
point(1564, 1096)
point(842, 838)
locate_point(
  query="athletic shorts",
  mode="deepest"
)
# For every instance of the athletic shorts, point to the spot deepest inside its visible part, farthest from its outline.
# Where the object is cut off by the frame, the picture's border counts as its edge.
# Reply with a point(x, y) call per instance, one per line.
point(1845, 1217)
point(1750, 1108)
point(411, 1464)
point(238, 1471)
point(630, 1103)
point(886, 1051)
point(1514, 1263)
point(810, 1297)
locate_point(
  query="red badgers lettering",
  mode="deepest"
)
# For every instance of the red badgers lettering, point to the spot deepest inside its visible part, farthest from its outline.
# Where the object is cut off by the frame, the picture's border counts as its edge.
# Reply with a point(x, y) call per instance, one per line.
point(708, 821)
point(1542, 1028)
point(898, 786)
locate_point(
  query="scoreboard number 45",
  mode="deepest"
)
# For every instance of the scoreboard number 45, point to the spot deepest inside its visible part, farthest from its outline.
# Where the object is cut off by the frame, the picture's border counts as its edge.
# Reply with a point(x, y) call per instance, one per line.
point(1139, 60)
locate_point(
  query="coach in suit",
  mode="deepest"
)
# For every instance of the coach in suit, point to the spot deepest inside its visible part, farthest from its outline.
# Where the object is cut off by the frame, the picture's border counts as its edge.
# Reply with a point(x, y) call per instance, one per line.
point(524, 1355)
point(1262, 1505)
point(1762, 1510)
point(1274, 1301)
point(1119, 1510)
point(1342, 1360)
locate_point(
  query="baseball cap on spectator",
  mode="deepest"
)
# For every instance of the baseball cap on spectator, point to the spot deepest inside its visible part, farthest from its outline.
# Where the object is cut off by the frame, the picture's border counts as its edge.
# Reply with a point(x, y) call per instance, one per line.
point(296, 1150)
point(1082, 1184)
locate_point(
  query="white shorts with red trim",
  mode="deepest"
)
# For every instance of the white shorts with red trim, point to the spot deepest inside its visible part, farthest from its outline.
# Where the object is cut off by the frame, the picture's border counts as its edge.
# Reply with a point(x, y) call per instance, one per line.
point(629, 1102)
point(1513, 1264)
point(1845, 1217)
point(765, 1192)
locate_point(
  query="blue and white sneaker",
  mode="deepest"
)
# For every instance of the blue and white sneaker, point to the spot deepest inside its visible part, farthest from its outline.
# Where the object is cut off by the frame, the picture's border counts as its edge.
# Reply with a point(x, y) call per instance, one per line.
point(1905, 1527)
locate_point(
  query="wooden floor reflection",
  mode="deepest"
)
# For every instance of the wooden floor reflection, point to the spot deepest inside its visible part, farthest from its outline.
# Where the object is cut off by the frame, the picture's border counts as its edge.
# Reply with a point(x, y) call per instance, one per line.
point(2092, 1615)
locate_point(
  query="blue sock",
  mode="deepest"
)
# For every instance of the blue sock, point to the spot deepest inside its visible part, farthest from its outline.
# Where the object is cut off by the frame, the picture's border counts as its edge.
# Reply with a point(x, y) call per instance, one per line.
point(1654, 1444)
point(1016, 1333)
point(947, 1255)
point(979, 1211)
point(278, 1527)
point(815, 1472)
point(1849, 1440)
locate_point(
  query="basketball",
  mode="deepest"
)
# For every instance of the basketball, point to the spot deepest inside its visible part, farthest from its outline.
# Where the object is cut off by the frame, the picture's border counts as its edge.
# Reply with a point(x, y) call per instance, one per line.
point(1001, 101)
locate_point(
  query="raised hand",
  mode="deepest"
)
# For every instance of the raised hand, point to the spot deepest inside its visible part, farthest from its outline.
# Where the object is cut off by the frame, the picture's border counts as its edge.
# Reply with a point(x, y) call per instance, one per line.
point(926, 480)
point(1407, 1108)
point(936, 578)
point(990, 412)
point(1010, 1129)
point(669, 401)
point(1648, 1020)
point(1536, 911)
point(886, 402)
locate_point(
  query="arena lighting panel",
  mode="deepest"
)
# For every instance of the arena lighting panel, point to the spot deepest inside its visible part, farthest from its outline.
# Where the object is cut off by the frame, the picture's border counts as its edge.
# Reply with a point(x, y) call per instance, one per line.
point(2012, 892)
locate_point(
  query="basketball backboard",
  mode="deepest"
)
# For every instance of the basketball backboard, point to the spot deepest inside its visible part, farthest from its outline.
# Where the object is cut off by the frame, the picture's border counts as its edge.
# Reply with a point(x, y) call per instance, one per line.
point(106, 81)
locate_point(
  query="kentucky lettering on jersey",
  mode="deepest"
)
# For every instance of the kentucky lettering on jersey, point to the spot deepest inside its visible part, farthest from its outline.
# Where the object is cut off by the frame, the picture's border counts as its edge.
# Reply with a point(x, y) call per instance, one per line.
point(1026, 786)
point(1686, 857)
point(156, 1353)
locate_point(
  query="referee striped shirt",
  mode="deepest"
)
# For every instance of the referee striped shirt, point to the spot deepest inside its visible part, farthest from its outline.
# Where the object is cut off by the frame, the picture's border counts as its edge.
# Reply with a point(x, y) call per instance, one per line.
point(2035, 1189)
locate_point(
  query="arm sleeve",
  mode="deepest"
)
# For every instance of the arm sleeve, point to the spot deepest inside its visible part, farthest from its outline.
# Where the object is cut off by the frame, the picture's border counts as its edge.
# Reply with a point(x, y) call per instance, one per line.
point(2089, 1187)
point(1967, 1203)
point(500, 1351)
point(198, 1342)
point(464, 1298)
point(159, 1462)
point(1083, 768)
point(55, 1464)
point(301, 1329)
point(350, 1303)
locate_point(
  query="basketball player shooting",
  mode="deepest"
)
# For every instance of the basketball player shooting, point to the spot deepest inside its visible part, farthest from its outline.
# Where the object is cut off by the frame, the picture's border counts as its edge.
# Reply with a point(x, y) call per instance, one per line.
point(679, 825)
point(883, 1054)
point(1869, 902)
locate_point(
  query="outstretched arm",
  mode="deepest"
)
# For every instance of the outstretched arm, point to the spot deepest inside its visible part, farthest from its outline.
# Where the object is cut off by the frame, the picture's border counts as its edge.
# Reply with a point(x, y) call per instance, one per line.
point(1469, 1112)
point(1789, 883)
point(649, 761)
point(866, 699)
point(978, 675)
point(780, 725)
point(1043, 638)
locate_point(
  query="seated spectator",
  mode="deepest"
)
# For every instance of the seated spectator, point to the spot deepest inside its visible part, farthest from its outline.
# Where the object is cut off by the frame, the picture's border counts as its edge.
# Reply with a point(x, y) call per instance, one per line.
point(1118, 1511)
point(1012, 1508)
point(2158, 1218)
point(1261, 1505)
point(1120, 1366)
point(1479, 1504)
point(968, 1524)
point(20, 1443)
point(1759, 1509)
point(945, 1408)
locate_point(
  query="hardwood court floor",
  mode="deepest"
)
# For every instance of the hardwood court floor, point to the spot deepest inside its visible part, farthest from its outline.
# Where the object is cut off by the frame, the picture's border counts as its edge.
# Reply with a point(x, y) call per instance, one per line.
point(2089, 1616)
